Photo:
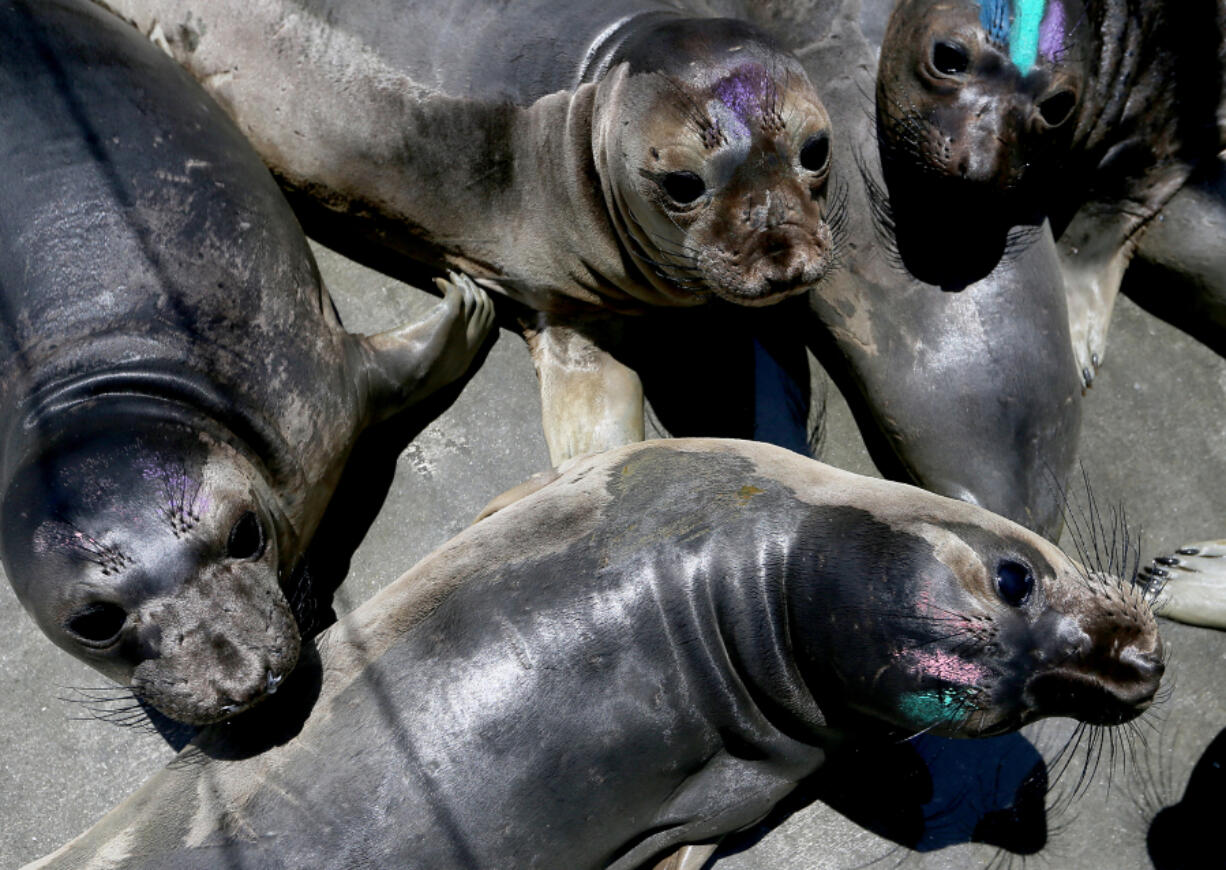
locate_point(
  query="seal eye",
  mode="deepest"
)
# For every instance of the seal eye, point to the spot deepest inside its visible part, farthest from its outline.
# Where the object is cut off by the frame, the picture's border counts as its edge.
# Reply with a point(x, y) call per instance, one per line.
point(683, 187)
point(949, 58)
point(98, 624)
point(1014, 581)
point(1057, 108)
point(246, 539)
point(815, 153)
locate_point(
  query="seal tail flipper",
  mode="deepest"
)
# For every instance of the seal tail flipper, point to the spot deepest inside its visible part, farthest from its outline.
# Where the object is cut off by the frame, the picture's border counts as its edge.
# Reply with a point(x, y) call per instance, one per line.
point(1190, 584)
point(692, 857)
point(404, 365)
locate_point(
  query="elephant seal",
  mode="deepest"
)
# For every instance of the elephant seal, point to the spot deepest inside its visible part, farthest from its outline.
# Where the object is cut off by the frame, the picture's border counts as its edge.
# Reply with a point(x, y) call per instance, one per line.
point(1094, 113)
point(586, 161)
point(964, 385)
point(179, 395)
point(648, 651)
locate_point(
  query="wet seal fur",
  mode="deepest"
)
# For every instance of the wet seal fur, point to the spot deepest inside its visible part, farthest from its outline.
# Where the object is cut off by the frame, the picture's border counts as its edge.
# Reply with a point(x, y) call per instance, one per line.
point(1100, 114)
point(179, 396)
point(586, 161)
point(650, 650)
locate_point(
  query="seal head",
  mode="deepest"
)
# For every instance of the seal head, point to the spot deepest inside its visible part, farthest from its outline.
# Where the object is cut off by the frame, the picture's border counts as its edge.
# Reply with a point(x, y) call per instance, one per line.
point(991, 629)
point(151, 551)
point(978, 98)
point(714, 154)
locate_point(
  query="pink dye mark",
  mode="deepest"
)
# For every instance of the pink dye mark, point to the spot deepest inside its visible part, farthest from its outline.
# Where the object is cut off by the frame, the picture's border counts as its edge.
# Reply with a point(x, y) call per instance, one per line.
point(948, 667)
point(1051, 32)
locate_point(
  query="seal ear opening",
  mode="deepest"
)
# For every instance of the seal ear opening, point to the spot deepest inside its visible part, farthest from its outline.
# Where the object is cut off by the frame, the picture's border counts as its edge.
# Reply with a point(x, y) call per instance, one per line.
point(97, 624)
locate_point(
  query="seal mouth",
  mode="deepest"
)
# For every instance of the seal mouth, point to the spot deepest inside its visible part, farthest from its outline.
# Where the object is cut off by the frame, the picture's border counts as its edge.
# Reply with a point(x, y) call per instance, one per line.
point(784, 261)
point(1089, 698)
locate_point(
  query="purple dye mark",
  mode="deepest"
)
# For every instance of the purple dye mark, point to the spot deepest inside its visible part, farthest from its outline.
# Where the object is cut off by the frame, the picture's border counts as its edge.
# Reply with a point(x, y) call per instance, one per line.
point(1051, 32)
point(949, 667)
point(182, 492)
point(748, 92)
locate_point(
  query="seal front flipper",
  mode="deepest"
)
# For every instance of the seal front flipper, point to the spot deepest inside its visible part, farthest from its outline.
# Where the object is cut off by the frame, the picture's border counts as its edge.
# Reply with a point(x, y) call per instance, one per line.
point(1093, 258)
point(406, 364)
point(590, 401)
point(1190, 584)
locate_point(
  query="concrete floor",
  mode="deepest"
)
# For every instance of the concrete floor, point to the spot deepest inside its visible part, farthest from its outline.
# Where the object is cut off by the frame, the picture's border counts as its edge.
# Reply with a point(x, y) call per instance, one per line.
point(1153, 440)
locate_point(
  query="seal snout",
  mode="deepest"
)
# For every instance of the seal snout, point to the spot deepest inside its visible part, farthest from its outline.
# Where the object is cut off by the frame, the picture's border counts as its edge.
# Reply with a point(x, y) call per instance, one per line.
point(1107, 674)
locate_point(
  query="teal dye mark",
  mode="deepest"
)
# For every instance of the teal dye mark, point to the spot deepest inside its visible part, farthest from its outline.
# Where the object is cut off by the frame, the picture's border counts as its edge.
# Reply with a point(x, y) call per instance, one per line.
point(1024, 37)
point(932, 706)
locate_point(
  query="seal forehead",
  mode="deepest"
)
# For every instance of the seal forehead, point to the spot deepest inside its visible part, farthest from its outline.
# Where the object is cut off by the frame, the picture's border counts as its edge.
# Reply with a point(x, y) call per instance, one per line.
point(747, 93)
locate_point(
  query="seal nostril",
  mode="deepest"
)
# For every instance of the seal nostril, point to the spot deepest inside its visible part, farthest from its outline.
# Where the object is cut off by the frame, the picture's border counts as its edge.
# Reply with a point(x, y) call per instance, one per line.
point(1148, 665)
point(98, 624)
point(1057, 108)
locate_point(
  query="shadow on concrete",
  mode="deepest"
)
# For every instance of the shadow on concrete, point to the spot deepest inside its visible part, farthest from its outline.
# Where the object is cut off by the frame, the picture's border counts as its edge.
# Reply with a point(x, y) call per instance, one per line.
point(1186, 834)
point(928, 793)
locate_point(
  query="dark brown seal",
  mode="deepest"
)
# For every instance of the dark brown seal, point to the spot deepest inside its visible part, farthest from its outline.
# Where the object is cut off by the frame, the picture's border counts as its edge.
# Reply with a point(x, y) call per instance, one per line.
point(1093, 113)
point(650, 650)
point(179, 397)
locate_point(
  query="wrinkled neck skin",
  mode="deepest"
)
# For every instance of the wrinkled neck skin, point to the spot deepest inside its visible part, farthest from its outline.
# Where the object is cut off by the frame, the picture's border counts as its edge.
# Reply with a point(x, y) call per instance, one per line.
point(172, 394)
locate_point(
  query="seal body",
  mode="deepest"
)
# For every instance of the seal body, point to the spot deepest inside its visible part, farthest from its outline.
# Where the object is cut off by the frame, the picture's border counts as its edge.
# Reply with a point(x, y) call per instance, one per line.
point(648, 651)
point(1094, 113)
point(178, 396)
point(581, 160)
point(961, 374)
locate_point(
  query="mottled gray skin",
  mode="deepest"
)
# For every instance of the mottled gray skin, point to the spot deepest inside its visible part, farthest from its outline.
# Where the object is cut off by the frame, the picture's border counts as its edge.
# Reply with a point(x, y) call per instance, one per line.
point(531, 146)
point(648, 651)
point(178, 396)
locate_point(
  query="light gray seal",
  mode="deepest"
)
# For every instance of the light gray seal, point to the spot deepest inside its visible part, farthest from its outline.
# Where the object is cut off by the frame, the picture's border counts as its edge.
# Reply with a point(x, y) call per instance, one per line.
point(179, 396)
point(586, 160)
point(648, 651)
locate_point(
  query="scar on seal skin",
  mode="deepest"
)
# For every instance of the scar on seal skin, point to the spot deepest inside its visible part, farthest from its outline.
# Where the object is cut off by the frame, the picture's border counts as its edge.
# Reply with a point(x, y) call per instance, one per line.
point(588, 161)
point(642, 655)
point(179, 396)
point(1093, 113)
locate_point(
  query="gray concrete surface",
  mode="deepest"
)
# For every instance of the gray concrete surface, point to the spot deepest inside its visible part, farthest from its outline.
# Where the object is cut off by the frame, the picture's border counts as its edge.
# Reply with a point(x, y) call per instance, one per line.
point(1154, 439)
